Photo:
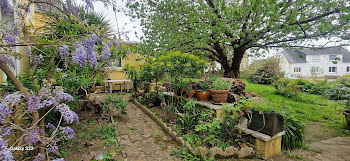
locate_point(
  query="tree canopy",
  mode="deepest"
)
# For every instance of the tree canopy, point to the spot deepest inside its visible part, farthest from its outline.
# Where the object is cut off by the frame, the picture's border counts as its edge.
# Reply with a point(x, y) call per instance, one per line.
point(223, 30)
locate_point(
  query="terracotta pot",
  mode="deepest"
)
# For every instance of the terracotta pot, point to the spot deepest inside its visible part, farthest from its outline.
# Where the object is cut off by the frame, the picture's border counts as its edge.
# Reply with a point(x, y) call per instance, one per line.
point(203, 96)
point(219, 96)
point(347, 118)
point(191, 94)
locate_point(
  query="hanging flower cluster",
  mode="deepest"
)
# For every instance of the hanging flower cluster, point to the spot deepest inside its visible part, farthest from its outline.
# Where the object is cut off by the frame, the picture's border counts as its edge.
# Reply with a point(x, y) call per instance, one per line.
point(47, 96)
point(85, 52)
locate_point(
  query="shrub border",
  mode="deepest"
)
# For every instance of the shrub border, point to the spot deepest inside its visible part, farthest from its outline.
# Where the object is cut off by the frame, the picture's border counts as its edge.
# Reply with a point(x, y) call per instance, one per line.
point(244, 152)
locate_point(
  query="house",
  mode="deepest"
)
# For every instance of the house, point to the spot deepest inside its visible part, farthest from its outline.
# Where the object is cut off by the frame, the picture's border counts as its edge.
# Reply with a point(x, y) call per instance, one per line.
point(115, 69)
point(328, 62)
point(8, 20)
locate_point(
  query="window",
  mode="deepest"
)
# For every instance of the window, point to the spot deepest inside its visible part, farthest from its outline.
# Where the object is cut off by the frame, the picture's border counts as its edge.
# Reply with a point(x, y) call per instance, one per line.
point(117, 63)
point(315, 69)
point(347, 69)
point(332, 69)
point(297, 69)
point(332, 57)
point(315, 58)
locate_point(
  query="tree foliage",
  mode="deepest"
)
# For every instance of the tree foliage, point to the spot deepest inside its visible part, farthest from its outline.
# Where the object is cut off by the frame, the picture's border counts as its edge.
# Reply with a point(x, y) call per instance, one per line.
point(223, 30)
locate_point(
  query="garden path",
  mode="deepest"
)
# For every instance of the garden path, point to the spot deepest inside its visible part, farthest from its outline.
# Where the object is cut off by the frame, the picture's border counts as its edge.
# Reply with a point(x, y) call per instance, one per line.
point(141, 138)
point(333, 149)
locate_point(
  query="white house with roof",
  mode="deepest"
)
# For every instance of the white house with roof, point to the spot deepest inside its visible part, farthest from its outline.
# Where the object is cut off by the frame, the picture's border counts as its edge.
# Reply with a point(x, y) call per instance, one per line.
point(329, 62)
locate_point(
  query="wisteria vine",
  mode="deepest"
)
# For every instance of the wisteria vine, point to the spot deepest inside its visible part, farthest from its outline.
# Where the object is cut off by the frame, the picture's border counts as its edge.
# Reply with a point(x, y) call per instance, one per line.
point(47, 97)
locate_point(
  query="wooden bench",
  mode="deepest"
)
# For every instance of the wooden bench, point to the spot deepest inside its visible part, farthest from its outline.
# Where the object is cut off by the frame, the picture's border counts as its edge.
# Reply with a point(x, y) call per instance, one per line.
point(121, 83)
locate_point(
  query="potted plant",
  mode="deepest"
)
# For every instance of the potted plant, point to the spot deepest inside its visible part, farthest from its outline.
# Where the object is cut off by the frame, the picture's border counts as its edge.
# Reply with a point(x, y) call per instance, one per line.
point(269, 123)
point(203, 93)
point(191, 91)
point(262, 118)
point(220, 89)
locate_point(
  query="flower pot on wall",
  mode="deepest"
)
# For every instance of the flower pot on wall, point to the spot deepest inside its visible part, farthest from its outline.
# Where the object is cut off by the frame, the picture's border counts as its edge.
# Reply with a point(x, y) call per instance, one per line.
point(347, 119)
point(191, 94)
point(203, 96)
point(266, 123)
point(219, 96)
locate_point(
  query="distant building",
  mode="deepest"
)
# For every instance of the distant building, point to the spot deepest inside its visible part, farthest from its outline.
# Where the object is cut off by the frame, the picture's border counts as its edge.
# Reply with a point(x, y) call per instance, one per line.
point(329, 62)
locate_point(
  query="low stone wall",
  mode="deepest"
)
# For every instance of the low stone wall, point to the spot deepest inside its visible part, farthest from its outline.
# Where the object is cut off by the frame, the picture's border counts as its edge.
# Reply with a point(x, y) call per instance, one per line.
point(215, 151)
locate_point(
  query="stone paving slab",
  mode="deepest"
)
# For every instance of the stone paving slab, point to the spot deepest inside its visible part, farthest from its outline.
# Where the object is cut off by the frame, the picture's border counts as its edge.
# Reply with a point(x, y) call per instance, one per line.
point(142, 138)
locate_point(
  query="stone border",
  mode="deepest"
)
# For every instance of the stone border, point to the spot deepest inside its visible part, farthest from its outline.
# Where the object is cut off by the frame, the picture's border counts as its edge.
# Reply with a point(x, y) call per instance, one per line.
point(215, 151)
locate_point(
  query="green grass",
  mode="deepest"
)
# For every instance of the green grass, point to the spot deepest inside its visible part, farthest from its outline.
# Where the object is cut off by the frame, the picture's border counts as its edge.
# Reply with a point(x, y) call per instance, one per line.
point(308, 108)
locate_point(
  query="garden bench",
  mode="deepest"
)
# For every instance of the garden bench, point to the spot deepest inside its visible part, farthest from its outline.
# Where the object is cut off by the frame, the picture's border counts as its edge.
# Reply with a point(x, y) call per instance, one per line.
point(121, 83)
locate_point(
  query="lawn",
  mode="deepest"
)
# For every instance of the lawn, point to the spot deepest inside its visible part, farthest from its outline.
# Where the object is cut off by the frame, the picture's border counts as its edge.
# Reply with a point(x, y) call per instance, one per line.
point(309, 109)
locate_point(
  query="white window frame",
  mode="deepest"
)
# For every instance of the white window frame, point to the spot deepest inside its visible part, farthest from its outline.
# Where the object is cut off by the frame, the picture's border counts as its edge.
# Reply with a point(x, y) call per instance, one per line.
point(315, 71)
point(331, 71)
point(113, 65)
point(297, 69)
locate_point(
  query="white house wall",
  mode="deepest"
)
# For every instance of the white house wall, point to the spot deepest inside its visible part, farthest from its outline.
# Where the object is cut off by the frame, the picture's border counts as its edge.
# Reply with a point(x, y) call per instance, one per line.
point(306, 68)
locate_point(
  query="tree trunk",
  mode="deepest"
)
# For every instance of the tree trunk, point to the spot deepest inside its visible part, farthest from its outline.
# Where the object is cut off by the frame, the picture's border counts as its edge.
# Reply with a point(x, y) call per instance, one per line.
point(233, 70)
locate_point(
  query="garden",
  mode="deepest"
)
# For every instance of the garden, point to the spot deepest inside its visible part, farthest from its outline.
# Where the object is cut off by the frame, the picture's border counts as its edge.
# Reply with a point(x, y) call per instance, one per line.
point(55, 104)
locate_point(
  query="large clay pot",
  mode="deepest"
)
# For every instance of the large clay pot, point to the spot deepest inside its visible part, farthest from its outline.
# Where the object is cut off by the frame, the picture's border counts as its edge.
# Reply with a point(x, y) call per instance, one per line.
point(347, 118)
point(219, 96)
point(203, 96)
point(191, 94)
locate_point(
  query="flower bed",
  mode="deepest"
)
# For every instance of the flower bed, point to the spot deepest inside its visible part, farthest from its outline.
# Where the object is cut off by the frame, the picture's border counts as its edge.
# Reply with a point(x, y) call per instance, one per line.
point(197, 129)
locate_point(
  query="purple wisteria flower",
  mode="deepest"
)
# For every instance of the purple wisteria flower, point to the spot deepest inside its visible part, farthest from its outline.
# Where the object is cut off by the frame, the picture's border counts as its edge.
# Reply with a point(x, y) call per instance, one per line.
point(61, 96)
point(9, 39)
point(90, 46)
point(64, 51)
point(5, 153)
point(14, 98)
point(68, 115)
point(106, 52)
point(52, 148)
point(38, 60)
point(9, 61)
point(79, 56)
point(32, 136)
point(51, 126)
point(5, 131)
point(34, 104)
point(5, 6)
point(5, 112)
point(58, 159)
point(39, 157)
point(28, 51)
point(69, 132)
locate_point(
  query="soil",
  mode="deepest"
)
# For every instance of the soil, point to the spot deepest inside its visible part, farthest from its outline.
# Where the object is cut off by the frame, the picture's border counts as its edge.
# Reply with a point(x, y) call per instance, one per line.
point(140, 138)
point(315, 132)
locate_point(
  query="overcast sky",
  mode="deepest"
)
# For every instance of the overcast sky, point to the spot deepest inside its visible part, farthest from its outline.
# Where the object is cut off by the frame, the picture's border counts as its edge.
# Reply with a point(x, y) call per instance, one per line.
point(125, 25)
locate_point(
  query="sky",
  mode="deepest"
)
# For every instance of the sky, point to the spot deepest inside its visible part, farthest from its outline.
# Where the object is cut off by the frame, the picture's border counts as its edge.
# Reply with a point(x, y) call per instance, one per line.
point(131, 30)
point(125, 24)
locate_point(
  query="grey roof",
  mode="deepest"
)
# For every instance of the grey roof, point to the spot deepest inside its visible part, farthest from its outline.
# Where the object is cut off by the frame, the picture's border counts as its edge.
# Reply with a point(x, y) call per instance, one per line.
point(299, 56)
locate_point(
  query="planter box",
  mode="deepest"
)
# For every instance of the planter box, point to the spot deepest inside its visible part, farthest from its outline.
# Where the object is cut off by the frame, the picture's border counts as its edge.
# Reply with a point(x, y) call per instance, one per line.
point(266, 123)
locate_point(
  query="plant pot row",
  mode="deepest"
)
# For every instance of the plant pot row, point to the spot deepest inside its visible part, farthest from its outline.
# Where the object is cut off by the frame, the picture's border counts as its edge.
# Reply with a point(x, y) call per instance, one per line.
point(218, 96)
